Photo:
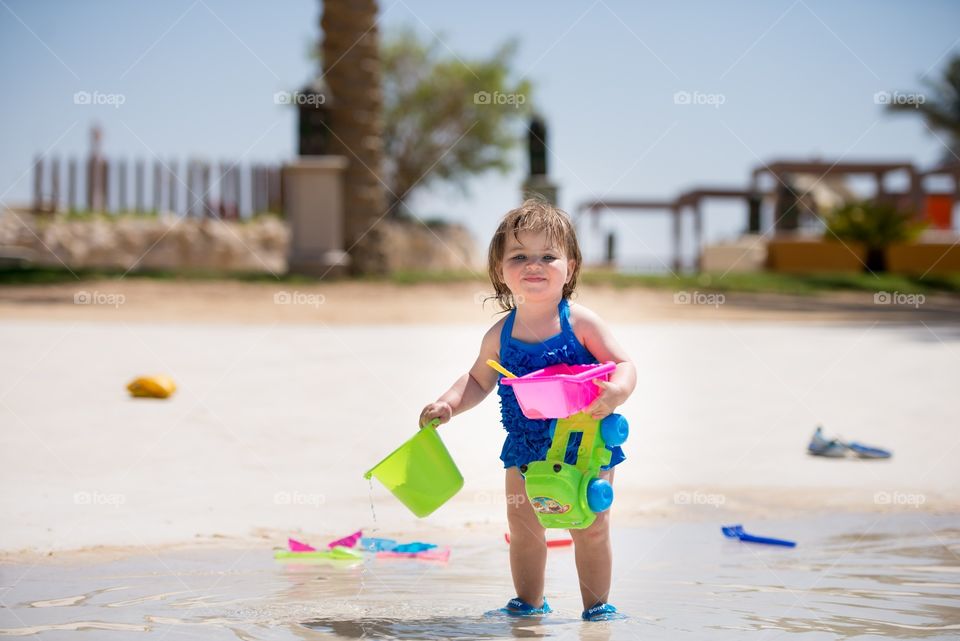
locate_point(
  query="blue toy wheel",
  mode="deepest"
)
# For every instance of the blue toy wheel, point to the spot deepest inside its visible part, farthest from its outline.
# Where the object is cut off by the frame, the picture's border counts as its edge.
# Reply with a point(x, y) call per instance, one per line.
point(599, 495)
point(614, 429)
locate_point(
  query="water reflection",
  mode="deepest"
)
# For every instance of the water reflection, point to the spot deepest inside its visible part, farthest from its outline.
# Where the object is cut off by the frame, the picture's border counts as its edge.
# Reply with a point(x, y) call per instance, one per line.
point(851, 576)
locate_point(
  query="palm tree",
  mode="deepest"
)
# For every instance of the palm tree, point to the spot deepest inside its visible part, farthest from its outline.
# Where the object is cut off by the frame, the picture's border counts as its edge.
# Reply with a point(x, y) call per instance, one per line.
point(351, 65)
point(940, 108)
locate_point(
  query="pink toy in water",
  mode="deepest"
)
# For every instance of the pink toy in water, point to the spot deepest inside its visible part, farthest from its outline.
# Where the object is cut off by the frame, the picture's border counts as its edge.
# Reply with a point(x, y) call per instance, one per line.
point(347, 541)
point(297, 546)
point(558, 391)
point(437, 554)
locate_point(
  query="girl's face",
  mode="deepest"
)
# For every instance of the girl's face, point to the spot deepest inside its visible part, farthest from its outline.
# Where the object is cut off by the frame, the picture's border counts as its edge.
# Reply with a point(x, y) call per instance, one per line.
point(534, 268)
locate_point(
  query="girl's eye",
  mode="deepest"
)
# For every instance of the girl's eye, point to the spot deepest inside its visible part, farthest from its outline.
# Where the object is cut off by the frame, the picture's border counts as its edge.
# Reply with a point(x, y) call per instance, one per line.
point(519, 257)
point(549, 258)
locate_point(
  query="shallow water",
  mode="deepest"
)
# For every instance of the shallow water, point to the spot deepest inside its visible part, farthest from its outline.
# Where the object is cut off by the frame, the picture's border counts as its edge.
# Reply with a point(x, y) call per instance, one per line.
point(851, 576)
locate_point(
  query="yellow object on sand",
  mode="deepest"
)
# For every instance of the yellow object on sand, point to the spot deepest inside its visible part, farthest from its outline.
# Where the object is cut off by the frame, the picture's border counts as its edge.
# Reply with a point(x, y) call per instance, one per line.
point(152, 387)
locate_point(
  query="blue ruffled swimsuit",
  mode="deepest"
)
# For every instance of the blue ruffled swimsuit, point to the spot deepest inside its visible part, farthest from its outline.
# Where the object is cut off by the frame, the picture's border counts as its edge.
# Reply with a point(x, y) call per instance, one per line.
point(529, 439)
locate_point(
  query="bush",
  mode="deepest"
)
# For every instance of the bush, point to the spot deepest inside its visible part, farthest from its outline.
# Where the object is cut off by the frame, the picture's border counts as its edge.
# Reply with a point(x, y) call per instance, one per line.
point(875, 225)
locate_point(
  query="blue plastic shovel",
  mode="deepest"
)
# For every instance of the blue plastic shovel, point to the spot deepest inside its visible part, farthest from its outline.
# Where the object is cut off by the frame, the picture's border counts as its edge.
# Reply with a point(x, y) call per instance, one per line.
point(736, 532)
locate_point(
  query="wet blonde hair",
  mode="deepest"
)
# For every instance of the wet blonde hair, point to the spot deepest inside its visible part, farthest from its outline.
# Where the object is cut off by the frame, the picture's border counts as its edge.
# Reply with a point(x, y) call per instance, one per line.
point(534, 215)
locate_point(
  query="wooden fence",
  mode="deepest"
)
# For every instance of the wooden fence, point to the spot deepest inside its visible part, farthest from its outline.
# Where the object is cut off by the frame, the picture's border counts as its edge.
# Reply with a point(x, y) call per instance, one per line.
point(195, 189)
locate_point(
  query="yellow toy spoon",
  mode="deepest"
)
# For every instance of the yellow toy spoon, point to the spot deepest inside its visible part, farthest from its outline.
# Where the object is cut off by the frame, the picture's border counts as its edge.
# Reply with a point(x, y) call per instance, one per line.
point(500, 368)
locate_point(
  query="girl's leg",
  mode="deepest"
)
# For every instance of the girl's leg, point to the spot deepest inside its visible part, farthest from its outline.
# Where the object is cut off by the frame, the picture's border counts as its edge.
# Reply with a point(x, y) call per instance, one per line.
point(595, 556)
point(528, 545)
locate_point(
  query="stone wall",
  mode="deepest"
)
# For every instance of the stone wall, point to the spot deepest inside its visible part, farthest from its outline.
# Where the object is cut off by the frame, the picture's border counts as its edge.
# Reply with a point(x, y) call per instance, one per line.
point(411, 245)
point(166, 243)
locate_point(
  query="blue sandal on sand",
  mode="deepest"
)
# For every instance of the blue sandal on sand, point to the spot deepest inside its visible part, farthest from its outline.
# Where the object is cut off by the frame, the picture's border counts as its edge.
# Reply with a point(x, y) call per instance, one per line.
point(517, 607)
point(822, 446)
point(837, 448)
point(601, 612)
point(868, 451)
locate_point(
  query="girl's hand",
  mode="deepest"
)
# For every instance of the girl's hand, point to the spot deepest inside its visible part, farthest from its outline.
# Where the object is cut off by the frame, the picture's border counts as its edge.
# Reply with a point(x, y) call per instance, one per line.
point(611, 397)
point(440, 409)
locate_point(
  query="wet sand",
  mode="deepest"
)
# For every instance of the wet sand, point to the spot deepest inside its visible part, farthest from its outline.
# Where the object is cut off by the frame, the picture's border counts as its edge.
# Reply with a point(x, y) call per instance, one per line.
point(851, 576)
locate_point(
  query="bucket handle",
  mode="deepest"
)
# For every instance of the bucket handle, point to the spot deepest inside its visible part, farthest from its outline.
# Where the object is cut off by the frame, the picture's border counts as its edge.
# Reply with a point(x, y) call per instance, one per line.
point(431, 425)
point(582, 377)
point(600, 370)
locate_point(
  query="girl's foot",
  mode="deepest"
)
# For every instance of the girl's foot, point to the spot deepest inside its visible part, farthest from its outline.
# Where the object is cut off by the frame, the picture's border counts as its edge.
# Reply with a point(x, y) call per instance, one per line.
point(519, 607)
point(601, 612)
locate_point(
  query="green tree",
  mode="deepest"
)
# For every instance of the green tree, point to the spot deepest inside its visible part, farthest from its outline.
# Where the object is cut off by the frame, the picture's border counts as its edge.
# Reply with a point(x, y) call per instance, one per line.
point(446, 118)
point(940, 107)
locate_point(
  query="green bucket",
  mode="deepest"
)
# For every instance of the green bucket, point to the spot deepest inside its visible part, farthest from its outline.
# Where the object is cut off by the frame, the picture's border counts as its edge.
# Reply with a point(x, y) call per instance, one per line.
point(420, 472)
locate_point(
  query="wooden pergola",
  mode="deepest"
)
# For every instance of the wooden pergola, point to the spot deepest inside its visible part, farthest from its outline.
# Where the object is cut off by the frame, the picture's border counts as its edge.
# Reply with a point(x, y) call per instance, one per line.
point(596, 206)
point(688, 200)
point(694, 197)
point(946, 169)
point(781, 170)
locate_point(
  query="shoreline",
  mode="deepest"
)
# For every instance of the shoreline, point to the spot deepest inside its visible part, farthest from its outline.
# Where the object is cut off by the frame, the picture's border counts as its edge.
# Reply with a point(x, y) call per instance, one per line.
point(638, 510)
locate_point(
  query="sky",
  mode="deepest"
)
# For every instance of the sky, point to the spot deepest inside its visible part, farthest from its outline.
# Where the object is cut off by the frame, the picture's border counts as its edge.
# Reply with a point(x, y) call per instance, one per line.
point(767, 80)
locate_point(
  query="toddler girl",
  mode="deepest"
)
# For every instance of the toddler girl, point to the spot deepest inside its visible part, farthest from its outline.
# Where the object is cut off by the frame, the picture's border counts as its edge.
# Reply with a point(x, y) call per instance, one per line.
point(533, 264)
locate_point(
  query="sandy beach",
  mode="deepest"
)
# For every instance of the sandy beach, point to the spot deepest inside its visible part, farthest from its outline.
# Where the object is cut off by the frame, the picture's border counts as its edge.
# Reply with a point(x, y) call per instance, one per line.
point(282, 406)
point(344, 302)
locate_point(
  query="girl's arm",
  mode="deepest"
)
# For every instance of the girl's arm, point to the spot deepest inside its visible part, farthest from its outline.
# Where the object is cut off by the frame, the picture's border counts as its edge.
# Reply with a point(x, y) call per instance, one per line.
point(600, 341)
point(472, 387)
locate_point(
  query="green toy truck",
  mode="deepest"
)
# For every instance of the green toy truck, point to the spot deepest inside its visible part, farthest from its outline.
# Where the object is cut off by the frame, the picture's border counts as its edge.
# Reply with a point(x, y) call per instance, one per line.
point(564, 495)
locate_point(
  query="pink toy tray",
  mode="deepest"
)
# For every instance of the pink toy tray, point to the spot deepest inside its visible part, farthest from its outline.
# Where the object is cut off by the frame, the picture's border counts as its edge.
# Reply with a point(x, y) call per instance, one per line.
point(558, 391)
